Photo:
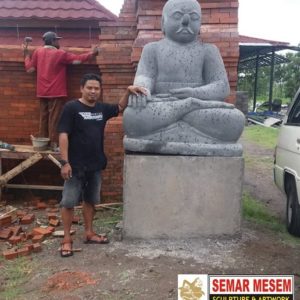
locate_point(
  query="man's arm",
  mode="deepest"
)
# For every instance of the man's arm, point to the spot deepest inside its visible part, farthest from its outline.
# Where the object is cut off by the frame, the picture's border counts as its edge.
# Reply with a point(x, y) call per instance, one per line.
point(27, 59)
point(76, 59)
point(66, 170)
point(132, 89)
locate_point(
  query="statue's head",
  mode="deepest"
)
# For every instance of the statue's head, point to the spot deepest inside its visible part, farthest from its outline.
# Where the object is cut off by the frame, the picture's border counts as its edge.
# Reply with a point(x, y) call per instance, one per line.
point(181, 20)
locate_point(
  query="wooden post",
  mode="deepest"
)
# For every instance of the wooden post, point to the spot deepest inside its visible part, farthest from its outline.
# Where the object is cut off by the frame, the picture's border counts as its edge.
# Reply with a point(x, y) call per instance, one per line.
point(19, 168)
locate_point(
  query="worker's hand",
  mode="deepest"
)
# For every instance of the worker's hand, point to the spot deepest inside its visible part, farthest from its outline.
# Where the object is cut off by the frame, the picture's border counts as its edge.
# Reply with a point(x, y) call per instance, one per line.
point(133, 89)
point(66, 171)
point(138, 97)
point(25, 49)
point(96, 51)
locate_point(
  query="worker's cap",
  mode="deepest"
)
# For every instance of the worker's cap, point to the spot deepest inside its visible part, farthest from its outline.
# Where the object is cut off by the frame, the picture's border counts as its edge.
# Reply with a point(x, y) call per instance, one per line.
point(50, 36)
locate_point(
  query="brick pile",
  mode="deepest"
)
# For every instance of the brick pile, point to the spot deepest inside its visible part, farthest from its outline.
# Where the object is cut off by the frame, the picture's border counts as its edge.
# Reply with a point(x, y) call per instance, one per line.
point(23, 232)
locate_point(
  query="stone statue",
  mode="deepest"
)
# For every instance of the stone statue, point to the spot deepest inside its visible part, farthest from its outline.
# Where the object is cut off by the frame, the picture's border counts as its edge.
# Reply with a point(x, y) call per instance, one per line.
point(184, 111)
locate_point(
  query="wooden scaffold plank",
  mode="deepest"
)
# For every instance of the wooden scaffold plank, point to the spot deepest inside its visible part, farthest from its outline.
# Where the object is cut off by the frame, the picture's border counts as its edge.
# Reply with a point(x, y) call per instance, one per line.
point(19, 168)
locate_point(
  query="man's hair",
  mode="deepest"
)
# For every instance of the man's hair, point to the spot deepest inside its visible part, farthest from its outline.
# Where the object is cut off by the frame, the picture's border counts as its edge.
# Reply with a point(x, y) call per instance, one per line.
point(49, 37)
point(90, 76)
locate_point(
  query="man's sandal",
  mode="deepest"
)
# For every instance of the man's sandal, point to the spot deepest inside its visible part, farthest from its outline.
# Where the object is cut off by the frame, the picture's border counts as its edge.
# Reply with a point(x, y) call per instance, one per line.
point(96, 239)
point(66, 252)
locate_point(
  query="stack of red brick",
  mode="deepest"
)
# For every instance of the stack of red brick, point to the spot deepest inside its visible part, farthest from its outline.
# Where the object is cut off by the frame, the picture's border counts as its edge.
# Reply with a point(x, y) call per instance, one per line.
point(23, 240)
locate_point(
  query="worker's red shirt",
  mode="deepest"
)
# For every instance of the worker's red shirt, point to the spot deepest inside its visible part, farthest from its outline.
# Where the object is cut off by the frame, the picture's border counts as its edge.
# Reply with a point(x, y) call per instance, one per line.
point(50, 64)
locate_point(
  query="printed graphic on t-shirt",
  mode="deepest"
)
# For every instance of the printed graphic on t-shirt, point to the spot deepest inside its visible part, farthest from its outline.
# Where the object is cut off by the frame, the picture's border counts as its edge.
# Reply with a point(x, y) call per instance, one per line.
point(98, 116)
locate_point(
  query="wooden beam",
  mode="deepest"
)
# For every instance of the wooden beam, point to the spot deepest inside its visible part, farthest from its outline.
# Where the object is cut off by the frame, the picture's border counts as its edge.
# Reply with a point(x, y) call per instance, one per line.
point(104, 205)
point(19, 168)
point(54, 160)
point(35, 187)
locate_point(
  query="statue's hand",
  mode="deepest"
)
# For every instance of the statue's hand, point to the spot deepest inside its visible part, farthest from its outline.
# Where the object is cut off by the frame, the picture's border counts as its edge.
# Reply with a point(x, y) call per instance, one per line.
point(138, 97)
point(182, 93)
point(203, 104)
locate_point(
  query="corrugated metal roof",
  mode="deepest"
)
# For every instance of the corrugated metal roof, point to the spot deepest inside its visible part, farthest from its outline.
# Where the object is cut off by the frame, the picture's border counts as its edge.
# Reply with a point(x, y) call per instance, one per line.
point(254, 40)
point(55, 9)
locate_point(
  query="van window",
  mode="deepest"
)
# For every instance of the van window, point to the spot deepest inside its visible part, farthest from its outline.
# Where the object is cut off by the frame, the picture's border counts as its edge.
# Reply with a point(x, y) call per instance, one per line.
point(294, 115)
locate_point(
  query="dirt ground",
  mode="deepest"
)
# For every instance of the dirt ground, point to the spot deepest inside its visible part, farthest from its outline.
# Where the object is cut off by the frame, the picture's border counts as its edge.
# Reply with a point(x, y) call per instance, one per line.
point(148, 270)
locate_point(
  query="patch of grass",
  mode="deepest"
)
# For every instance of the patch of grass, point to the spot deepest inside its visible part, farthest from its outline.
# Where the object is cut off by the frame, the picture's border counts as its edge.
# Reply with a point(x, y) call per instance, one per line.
point(254, 211)
point(107, 219)
point(263, 136)
point(14, 274)
point(253, 161)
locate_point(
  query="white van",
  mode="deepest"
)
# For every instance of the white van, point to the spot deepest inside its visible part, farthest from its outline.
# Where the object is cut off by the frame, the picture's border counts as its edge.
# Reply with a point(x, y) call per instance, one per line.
point(287, 164)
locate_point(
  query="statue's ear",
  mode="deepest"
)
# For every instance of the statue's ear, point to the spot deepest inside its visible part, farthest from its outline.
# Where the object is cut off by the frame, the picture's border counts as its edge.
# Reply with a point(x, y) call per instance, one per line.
point(163, 24)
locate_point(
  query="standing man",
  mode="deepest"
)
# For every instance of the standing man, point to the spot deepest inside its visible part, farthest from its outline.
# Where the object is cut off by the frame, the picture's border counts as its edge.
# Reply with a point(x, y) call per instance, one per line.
point(50, 62)
point(81, 130)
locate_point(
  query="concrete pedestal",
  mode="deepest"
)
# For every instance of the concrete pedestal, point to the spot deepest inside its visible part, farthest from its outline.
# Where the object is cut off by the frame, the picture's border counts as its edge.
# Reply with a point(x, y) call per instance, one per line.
point(181, 196)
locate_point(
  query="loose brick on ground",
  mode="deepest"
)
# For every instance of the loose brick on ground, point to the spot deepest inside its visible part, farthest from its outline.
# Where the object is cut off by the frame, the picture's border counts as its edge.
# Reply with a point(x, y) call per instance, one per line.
point(27, 219)
point(5, 233)
point(24, 251)
point(16, 229)
point(10, 254)
point(38, 238)
point(15, 239)
point(29, 246)
point(37, 247)
point(5, 221)
point(41, 205)
point(42, 231)
point(21, 213)
point(54, 222)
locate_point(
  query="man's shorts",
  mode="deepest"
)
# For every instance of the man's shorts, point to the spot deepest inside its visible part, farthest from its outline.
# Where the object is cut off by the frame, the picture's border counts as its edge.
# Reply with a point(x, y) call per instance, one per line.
point(82, 186)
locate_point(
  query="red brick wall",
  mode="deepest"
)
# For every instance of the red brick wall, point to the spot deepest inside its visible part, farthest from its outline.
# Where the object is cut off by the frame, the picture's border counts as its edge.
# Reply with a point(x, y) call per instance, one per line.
point(219, 26)
point(19, 115)
point(121, 45)
point(19, 112)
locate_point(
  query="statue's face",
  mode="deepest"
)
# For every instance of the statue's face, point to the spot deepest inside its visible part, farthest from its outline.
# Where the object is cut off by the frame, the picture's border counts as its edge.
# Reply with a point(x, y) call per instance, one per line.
point(181, 20)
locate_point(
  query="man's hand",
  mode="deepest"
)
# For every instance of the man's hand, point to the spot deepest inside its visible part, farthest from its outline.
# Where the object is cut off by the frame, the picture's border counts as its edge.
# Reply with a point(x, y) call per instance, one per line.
point(96, 51)
point(25, 50)
point(66, 171)
point(138, 97)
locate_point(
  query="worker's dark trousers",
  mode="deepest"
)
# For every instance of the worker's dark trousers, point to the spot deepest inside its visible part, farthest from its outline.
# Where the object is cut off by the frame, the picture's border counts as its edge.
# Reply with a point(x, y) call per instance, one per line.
point(50, 110)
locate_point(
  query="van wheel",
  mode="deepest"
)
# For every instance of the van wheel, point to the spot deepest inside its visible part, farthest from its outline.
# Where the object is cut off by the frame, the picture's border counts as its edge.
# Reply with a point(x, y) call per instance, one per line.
point(292, 209)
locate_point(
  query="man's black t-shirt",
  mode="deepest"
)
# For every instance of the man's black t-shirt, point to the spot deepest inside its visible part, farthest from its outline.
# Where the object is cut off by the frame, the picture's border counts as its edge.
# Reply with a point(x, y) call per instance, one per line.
point(85, 128)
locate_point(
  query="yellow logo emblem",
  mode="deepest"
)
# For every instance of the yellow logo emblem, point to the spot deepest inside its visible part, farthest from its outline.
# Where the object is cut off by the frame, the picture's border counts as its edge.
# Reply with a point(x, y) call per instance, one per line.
point(191, 290)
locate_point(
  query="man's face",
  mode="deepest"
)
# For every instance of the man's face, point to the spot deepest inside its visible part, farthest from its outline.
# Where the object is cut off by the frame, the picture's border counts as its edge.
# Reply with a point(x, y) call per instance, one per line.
point(91, 91)
point(182, 21)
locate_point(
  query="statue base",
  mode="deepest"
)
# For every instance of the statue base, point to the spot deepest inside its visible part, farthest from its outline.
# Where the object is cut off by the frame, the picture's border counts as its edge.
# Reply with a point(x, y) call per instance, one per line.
point(181, 196)
point(180, 148)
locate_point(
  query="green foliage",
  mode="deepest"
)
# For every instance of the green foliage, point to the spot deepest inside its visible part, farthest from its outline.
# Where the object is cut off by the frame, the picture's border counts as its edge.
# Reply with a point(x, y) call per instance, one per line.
point(291, 74)
point(263, 136)
point(14, 274)
point(255, 211)
point(286, 80)
point(106, 220)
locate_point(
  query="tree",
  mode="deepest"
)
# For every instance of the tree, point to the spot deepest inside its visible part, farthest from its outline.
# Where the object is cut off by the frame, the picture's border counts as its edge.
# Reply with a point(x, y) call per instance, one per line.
point(291, 74)
point(286, 79)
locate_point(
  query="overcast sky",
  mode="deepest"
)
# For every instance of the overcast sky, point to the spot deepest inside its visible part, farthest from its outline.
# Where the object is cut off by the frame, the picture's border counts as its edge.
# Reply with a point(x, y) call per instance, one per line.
point(270, 19)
